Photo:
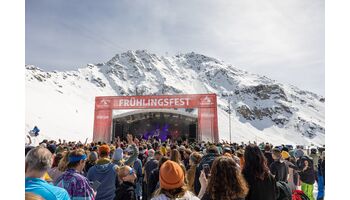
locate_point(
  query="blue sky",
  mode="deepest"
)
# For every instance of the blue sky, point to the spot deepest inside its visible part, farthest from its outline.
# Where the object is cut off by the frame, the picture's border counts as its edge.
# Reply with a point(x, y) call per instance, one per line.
point(284, 40)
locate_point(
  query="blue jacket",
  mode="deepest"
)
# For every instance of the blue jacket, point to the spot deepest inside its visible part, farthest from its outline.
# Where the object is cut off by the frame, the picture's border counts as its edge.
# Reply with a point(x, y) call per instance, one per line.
point(45, 190)
point(106, 175)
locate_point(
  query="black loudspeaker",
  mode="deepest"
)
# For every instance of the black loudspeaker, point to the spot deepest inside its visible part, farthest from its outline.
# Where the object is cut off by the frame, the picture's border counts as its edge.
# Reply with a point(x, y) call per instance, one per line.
point(192, 133)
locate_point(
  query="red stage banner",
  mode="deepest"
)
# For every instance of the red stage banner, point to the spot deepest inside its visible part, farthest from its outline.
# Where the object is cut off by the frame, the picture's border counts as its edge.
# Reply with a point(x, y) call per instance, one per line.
point(206, 104)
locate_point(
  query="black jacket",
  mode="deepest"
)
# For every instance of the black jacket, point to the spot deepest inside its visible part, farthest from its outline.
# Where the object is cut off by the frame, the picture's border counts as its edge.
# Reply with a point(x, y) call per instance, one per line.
point(279, 170)
point(307, 176)
point(153, 180)
point(207, 159)
point(261, 189)
point(126, 190)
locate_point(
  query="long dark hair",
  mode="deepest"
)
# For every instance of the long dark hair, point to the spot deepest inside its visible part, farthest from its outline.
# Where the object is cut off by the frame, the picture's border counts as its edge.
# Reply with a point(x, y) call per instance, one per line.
point(226, 180)
point(255, 166)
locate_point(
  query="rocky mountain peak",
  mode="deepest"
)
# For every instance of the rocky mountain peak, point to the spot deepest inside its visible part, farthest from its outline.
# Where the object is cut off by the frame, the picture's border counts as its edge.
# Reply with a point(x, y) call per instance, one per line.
point(258, 104)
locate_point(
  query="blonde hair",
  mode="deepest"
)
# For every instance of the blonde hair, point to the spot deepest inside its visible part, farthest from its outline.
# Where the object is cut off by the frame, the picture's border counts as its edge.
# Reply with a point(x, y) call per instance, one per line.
point(173, 193)
point(122, 171)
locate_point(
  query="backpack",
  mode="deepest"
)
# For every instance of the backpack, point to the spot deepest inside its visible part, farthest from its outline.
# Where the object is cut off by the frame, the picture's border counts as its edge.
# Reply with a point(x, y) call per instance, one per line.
point(283, 191)
point(299, 195)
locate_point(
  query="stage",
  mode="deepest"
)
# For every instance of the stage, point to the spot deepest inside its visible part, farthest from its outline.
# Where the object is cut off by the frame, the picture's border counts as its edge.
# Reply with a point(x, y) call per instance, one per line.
point(157, 123)
point(192, 116)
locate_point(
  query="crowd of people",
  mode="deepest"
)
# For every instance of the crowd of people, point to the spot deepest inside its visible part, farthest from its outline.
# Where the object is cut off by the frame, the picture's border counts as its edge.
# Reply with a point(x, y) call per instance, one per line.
point(152, 169)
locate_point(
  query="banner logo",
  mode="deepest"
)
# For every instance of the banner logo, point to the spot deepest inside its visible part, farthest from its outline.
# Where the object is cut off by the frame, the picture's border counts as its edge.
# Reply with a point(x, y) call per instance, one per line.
point(105, 102)
point(206, 101)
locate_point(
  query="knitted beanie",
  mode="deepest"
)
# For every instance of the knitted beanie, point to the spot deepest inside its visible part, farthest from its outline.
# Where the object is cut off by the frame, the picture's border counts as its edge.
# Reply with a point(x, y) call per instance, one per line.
point(171, 175)
point(298, 153)
point(118, 154)
point(93, 156)
point(104, 149)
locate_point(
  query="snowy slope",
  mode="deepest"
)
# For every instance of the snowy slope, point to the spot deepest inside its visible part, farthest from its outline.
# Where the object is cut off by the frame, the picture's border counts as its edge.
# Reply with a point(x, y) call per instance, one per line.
point(61, 104)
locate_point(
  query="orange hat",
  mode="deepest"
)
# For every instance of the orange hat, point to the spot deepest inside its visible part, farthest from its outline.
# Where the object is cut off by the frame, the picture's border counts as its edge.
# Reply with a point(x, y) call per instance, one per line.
point(104, 149)
point(171, 175)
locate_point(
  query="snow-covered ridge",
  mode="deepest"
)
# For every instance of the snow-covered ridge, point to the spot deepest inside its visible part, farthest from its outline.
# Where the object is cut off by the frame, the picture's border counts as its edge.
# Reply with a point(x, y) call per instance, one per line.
point(62, 103)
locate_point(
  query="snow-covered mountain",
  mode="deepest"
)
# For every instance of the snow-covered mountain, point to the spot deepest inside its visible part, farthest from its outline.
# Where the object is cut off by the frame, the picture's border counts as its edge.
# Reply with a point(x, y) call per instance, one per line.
point(61, 103)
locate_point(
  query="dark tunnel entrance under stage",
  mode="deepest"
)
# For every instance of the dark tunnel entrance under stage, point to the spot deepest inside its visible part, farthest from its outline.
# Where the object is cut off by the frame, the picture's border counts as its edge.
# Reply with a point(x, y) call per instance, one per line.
point(160, 124)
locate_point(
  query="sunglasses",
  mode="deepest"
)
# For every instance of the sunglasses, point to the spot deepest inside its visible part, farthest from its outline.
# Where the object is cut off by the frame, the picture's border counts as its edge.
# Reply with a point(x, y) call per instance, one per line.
point(131, 171)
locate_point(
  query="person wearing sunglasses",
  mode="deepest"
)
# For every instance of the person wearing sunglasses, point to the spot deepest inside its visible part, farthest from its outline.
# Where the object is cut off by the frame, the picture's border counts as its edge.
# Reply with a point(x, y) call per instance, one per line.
point(126, 189)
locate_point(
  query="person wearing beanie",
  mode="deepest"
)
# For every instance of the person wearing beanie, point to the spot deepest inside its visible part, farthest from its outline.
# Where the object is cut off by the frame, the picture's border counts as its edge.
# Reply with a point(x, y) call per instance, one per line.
point(278, 167)
point(103, 173)
point(104, 149)
point(172, 183)
point(118, 156)
point(298, 153)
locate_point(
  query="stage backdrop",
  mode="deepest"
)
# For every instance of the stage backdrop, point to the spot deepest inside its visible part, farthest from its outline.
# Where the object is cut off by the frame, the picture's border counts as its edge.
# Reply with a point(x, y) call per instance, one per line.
point(206, 104)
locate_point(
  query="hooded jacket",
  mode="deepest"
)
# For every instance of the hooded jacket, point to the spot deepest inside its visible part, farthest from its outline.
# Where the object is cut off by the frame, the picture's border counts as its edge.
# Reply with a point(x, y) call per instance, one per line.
point(308, 175)
point(104, 172)
point(280, 170)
